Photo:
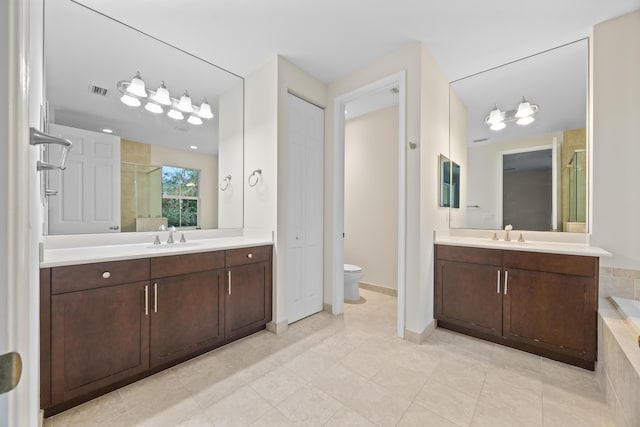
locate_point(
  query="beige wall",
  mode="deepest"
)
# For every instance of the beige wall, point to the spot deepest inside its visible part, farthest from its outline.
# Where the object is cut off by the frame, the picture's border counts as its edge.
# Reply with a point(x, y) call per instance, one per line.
point(427, 125)
point(616, 136)
point(230, 157)
point(458, 154)
point(371, 196)
point(265, 139)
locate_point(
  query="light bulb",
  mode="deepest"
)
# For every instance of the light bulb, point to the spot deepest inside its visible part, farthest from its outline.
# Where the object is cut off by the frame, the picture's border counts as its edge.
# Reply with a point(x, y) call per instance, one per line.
point(498, 126)
point(175, 114)
point(137, 87)
point(153, 108)
point(130, 100)
point(185, 103)
point(523, 121)
point(194, 120)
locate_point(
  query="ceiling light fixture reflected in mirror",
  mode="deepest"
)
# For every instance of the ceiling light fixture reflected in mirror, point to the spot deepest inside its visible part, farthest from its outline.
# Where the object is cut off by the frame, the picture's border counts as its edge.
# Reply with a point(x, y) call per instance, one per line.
point(523, 116)
point(135, 90)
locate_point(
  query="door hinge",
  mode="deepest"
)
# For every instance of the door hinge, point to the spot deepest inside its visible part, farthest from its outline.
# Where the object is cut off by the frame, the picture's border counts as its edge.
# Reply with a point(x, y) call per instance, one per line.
point(10, 371)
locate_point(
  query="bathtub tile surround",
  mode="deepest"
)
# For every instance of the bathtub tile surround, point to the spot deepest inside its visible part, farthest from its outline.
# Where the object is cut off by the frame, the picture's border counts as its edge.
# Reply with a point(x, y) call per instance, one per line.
point(619, 282)
point(353, 370)
point(619, 365)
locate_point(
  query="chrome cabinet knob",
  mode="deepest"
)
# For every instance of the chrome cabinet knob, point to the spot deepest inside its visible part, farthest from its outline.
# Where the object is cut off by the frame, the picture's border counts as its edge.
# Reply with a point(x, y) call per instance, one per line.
point(249, 255)
point(106, 274)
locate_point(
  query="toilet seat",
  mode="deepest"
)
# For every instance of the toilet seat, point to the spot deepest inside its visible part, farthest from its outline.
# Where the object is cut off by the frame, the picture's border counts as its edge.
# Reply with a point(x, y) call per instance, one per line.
point(350, 268)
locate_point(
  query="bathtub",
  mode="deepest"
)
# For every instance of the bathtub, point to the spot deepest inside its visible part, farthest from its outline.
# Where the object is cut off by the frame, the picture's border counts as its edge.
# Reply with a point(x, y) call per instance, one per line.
point(618, 368)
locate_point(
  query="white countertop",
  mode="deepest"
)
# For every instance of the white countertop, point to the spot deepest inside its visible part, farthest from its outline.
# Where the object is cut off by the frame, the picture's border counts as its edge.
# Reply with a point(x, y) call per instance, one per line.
point(116, 252)
point(557, 247)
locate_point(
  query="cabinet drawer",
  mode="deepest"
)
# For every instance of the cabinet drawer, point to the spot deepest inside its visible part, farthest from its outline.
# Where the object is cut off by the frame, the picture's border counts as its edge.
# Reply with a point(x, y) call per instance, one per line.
point(553, 263)
point(471, 255)
point(89, 276)
point(243, 256)
point(184, 264)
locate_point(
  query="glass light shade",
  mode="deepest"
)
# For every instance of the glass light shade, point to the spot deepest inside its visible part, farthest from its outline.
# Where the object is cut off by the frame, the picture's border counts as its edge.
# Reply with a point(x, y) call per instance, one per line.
point(175, 114)
point(498, 126)
point(495, 116)
point(523, 121)
point(137, 87)
point(194, 120)
point(524, 109)
point(185, 103)
point(162, 96)
point(153, 108)
point(205, 110)
point(130, 101)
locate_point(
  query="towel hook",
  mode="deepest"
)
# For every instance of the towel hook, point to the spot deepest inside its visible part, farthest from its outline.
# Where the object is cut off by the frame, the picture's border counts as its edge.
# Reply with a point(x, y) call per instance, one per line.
point(257, 174)
point(226, 182)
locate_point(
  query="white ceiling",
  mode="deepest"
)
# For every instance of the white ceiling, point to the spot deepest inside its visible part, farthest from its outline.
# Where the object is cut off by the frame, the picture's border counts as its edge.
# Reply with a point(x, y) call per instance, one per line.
point(331, 38)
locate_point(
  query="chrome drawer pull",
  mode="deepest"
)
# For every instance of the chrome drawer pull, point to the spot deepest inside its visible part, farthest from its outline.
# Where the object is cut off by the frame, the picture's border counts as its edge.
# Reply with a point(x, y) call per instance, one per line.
point(106, 274)
point(498, 290)
point(506, 280)
point(229, 284)
point(155, 297)
point(146, 300)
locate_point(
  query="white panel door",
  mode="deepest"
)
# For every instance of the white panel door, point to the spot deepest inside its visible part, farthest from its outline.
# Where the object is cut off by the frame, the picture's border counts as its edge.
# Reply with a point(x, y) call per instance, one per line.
point(305, 151)
point(88, 199)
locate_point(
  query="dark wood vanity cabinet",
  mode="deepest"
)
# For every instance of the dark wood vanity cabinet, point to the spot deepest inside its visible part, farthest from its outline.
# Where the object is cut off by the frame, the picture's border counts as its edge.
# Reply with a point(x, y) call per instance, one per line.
point(248, 296)
point(104, 325)
point(468, 293)
point(541, 303)
point(97, 325)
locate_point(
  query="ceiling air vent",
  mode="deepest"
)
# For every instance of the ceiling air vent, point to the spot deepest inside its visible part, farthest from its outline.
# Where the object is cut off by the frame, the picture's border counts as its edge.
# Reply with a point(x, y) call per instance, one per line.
point(97, 90)
point(475, 141)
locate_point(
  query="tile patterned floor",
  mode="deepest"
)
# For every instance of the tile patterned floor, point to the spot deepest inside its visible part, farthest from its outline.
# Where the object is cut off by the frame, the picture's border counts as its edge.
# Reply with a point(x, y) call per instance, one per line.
point(351, 370)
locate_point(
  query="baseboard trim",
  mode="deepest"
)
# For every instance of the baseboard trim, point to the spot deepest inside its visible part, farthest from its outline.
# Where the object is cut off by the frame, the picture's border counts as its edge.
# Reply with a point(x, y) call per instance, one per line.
point(278, 328)
point(419, 337)
point(378, 288)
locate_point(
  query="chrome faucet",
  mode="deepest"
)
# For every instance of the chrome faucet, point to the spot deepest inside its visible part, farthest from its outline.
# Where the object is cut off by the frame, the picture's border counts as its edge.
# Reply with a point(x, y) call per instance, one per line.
point(171, 230)
point(157, 240)
point(507, 229)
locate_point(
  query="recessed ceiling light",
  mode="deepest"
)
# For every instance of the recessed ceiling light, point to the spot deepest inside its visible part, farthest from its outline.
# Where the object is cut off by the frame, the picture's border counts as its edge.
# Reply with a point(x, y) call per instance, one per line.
point(106, 130)
point(193, 147)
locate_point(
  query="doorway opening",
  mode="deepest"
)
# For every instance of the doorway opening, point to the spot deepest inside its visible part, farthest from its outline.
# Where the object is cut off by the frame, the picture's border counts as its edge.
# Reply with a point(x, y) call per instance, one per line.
point(397, 81)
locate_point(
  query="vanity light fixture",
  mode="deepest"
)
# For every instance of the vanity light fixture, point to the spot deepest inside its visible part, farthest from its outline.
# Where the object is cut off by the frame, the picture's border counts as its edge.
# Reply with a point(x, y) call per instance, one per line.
point(523, 115)
point(134, 91)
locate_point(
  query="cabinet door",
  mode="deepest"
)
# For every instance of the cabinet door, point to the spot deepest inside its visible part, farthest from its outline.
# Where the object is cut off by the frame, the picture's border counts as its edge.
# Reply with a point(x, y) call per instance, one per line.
point(99, 337)
point(469, 295)
point(551, 311)
point(186, 315)
point(248, 298)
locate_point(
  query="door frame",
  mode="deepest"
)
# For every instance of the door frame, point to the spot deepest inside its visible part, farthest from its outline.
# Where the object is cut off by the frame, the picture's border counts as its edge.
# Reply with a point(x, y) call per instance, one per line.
point(337, 239)
point(554, 184)
point(20, 216)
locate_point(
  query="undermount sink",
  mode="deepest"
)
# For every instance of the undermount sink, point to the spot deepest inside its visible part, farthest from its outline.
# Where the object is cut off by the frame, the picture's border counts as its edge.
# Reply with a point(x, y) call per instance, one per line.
point(173, 245)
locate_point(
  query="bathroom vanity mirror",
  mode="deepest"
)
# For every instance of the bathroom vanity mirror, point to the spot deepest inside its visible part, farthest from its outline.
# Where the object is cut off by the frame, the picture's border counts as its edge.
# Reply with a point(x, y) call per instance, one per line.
point(518, 132)
point(125, 180)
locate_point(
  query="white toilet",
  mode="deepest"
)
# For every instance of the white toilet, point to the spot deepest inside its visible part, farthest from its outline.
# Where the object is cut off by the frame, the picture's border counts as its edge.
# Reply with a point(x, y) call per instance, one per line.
point(352, 275)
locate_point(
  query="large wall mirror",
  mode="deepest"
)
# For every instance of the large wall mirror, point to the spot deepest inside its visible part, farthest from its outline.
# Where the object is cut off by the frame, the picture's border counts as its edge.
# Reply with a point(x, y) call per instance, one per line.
point(519, 132)
point(136, 165)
